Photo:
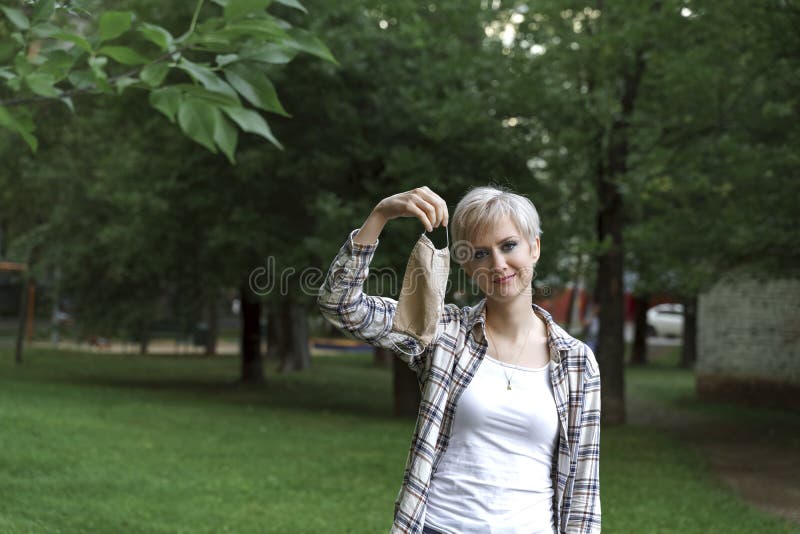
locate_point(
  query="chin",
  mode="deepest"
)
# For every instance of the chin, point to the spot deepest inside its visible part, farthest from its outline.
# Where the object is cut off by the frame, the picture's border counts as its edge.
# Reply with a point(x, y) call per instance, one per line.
point(506, 294)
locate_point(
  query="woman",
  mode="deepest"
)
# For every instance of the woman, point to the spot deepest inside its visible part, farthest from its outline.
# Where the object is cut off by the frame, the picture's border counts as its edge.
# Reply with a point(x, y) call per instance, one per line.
point(508, 431)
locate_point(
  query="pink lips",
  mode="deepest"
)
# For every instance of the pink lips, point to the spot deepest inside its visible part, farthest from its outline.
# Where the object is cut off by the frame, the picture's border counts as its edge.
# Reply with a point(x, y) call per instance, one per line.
point(505, 280)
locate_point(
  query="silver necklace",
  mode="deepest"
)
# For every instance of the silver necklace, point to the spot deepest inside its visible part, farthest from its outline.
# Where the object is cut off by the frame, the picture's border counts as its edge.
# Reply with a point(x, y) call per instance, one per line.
point(524, 344)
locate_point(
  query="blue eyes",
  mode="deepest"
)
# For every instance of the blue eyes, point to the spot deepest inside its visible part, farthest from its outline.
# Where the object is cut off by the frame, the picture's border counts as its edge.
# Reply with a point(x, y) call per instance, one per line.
point(506, 247)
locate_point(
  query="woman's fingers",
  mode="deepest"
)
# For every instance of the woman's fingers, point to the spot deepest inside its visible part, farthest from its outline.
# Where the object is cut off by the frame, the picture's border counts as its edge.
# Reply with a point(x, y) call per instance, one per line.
point(430, 198)
point(414, 209)
point(429, 210)
point(421, 203)
point(439, 205)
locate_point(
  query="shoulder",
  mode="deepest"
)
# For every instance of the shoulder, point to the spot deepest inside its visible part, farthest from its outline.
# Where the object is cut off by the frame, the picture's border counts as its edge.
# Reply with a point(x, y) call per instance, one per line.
point(577, 354)
point(463, 315)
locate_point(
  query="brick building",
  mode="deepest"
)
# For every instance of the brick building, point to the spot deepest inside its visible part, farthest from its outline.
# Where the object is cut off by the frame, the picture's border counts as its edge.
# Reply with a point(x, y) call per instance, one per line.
point(749, 341)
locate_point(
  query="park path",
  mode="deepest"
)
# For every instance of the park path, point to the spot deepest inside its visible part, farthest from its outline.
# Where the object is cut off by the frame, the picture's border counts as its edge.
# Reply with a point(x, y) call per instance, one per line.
point(759, 461)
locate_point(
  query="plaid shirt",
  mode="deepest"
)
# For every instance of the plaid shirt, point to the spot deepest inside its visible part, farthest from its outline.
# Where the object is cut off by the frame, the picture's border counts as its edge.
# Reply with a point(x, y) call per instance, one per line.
point(446, 367)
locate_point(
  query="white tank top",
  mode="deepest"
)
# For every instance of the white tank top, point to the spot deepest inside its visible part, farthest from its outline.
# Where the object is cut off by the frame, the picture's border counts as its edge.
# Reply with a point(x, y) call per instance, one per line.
point(494, 476)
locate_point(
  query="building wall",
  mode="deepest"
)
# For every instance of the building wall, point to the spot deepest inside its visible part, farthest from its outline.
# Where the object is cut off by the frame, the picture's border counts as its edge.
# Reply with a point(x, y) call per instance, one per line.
point(749, 341)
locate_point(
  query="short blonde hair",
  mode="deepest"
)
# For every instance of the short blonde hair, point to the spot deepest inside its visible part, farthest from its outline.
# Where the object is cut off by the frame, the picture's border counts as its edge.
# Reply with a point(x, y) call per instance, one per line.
point(483, 206)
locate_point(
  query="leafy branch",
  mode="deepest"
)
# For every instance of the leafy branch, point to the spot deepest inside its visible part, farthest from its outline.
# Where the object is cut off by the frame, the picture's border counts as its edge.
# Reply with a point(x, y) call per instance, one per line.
point(226, 60)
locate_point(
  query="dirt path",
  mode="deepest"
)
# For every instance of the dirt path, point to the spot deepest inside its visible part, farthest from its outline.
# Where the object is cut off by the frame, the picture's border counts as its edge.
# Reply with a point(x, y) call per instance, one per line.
point(759, 460)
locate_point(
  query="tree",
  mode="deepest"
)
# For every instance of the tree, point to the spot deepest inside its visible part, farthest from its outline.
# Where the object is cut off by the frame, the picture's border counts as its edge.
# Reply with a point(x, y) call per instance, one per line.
point(717, 177)
point(199, 79)
point(651, 113)
point(202, 79)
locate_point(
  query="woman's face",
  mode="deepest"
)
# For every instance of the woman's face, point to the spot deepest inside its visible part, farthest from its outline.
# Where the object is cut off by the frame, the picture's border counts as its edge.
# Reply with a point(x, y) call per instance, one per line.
point(502, 261)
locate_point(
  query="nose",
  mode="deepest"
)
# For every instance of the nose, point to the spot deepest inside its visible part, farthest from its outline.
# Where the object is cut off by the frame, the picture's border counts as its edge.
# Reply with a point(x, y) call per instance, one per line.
point(498, 261)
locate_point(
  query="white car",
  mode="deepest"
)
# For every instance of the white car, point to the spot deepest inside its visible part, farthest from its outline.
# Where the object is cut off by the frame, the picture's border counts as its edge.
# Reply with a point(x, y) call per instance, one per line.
point(665, 320)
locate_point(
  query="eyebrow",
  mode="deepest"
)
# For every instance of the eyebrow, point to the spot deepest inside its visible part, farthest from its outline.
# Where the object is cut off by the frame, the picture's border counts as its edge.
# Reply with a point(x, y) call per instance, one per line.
point(502, 240)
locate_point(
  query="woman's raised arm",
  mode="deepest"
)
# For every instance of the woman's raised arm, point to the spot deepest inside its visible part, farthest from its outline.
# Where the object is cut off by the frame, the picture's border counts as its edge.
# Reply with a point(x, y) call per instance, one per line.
point(342, 300)
point(421, 203)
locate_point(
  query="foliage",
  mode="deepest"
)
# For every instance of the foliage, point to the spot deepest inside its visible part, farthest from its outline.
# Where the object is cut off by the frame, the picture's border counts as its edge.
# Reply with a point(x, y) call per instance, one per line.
point(411, 105)
point(711, 169)
point(715, 172)
point(202, 79)
point(444, 94)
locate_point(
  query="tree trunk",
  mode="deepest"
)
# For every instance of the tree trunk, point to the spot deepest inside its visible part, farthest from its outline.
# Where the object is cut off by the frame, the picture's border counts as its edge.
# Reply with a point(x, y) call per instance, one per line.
point(23, 317)
point(213, 326)
point(689, 349)
point(3, 234)
point(31, 311)
point(609, 290)
point(611, 345)
point(144, 336)
point(406, 389)
point(276, 339)
point(639, 352)
point(252, 366)
point(382, 358)
point(297, 357)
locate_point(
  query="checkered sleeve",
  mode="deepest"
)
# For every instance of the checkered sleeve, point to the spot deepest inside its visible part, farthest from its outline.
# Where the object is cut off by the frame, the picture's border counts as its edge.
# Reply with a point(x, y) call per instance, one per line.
point(344, 304)
point(584, 514)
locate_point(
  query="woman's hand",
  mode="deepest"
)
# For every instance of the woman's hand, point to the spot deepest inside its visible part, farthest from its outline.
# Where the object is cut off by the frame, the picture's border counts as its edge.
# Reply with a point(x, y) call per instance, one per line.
point(421, 203)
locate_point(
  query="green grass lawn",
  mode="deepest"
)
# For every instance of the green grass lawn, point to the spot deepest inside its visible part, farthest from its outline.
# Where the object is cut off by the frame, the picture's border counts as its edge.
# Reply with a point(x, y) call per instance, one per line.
point(98, 443)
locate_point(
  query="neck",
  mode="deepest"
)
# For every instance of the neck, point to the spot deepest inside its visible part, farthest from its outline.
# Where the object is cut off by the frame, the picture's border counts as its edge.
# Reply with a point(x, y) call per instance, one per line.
point(513, 318)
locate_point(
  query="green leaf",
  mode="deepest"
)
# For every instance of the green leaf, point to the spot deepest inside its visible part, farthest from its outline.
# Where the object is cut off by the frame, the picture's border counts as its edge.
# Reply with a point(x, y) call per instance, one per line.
point(268, 53)
point(22, 64)
point(44, 10)
point(82, 79)
point(207, 77)
point(97, 64)
point(16, 17)
point(236, 9)
point(19, 39)
point(293, 3)
point(123, 83)
point(68, 102)
point(21, 126)
point(212, 97)
point(154, 74)
point(255, 87)
point(42, 84)
point(266, 28)
point(250, 121)
point(226, 59)
point(197, 119)
point(124, 55)
point(114, 23)
point(79, 40)
point(58, 64)
point(226, 136)
point(262, 53)
point(45, 30)
point(304, 41)
point(7, 50)
point(213, 42)
point(156, 35)
point(166, 100)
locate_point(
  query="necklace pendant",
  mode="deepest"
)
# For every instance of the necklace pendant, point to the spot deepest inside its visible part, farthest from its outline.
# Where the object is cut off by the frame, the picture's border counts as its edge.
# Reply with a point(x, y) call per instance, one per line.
point(508, 387)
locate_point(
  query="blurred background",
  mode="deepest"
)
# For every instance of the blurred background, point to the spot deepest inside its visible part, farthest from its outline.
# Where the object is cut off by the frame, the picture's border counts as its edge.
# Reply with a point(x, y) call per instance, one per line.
point(177, 178)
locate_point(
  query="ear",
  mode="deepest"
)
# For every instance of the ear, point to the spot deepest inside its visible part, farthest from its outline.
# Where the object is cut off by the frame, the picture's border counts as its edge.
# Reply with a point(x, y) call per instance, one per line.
point(536, 250)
